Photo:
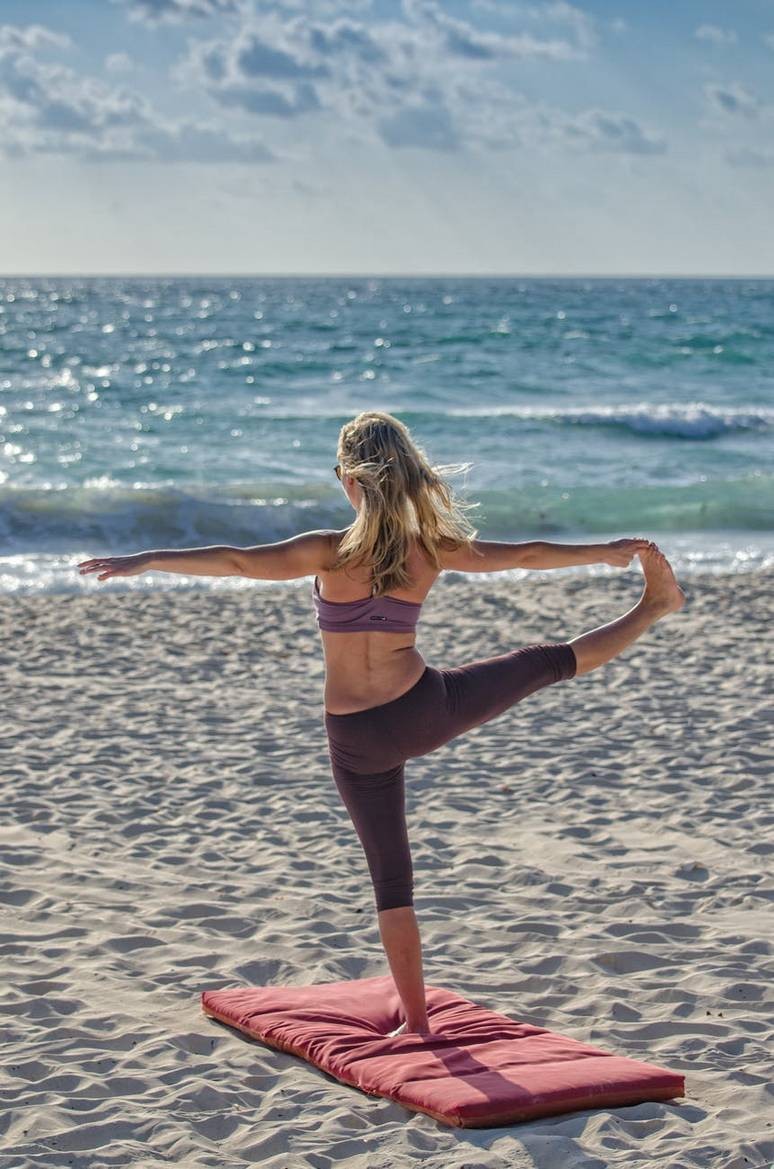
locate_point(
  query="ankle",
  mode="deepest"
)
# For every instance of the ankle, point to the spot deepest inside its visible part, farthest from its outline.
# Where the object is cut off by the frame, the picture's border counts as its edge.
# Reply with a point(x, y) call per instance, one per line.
point(652, 608)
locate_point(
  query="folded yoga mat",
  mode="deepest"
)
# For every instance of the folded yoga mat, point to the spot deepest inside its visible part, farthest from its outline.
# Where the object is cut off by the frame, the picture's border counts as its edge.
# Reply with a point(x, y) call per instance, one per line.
point(478, 1069)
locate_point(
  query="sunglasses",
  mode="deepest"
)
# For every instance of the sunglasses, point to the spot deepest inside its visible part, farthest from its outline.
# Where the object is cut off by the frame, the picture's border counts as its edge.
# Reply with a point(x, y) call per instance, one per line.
point(337, 469)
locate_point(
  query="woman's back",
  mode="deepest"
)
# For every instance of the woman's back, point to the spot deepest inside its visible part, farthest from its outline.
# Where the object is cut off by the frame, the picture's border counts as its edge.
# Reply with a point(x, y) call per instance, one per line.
point(366, 666)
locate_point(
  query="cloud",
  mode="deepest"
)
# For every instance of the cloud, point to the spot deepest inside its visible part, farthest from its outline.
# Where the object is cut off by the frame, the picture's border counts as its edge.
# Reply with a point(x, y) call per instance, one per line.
point(769, 40)
point(542, 126)
point(460, 39)
point(733, 99)
point(605, 130)
point(184, 142)
point(46, 108)
point(266, 69)
point(714, 35)
point(425, 82)
point(15, 38)
point(292, 66)
point(119, 63)
point(173, 11)
point(430, 127)
point(154, 12)
point(582, 24)
point(270, 101)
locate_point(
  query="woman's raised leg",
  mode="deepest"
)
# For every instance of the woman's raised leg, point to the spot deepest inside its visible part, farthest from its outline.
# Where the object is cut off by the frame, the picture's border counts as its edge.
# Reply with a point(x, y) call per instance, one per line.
point(661, 595)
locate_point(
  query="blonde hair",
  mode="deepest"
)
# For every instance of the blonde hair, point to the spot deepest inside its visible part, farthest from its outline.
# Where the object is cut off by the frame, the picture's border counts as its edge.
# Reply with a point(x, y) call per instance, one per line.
point(403, 497)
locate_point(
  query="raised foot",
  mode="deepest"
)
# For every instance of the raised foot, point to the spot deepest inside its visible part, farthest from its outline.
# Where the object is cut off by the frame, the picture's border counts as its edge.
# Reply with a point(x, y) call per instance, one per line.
point(662, 592)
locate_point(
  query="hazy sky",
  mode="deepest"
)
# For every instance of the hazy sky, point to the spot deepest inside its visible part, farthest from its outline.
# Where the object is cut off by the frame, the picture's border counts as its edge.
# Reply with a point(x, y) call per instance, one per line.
point(366, 136)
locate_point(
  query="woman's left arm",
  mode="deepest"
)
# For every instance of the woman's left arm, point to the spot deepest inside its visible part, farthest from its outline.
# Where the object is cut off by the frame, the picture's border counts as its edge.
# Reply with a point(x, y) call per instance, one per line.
point(542, 554)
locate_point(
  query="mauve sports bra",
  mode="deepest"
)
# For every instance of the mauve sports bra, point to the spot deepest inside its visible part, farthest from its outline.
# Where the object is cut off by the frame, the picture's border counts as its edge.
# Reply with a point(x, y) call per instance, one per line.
point(388, 614)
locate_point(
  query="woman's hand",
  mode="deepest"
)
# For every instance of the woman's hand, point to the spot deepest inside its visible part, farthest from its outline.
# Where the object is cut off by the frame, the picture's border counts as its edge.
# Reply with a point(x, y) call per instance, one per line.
point(620, 553)
point(108, 566)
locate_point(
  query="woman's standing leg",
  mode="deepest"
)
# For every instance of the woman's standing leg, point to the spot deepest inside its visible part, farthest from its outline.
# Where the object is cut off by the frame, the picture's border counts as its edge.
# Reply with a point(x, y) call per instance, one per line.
point(399, 932)
point(376, 805)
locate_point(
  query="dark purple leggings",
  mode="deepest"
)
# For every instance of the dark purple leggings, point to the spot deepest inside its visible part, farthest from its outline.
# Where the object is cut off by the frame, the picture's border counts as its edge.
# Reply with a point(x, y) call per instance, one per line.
point(368, 749)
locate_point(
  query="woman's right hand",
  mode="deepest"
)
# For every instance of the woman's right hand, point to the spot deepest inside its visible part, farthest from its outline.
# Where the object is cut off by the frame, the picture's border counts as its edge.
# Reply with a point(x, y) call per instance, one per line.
point(620, 553)
point(108, 566)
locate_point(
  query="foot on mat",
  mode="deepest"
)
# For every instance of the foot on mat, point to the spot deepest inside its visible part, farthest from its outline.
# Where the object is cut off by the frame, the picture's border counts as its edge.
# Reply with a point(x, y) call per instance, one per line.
point(419, 1034)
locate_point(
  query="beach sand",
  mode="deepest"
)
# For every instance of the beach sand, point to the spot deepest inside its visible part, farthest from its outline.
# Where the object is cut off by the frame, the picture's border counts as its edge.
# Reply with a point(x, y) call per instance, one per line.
point(597, 860)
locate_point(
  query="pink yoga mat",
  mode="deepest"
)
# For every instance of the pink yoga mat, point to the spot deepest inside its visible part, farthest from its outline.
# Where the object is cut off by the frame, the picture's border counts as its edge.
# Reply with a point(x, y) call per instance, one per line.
point(477, 1070)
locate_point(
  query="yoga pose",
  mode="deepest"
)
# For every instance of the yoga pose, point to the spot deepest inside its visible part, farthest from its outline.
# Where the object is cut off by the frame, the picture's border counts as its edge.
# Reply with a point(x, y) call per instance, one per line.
point(383, 704)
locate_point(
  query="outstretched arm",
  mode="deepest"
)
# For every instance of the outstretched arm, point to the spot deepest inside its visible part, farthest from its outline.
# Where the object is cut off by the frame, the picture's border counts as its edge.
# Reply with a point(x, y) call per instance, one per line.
point(619, 553)
point(214, 561)
point(299, 556)
point(496, 556)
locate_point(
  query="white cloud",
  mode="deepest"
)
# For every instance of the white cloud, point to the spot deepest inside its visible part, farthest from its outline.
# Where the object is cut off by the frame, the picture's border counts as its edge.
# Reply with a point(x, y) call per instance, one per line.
point(297, 65)
point(118, 63)
point(714, 35)
point(582, 24)
point(423, 84)
point(16, 38)
point(46, 108)
point(460, 39)
point(543, 127)
point(173, 11)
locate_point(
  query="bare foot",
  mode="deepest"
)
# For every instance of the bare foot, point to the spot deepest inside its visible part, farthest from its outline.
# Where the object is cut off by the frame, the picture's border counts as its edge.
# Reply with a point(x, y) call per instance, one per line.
point(403, 1030)
point(662, 592)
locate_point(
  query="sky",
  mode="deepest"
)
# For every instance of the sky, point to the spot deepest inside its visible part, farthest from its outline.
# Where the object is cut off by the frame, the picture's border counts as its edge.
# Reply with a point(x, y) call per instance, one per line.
point(393, 137)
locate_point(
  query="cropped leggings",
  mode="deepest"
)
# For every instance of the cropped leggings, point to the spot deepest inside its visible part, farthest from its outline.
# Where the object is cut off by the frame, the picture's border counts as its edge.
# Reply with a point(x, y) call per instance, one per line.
point(368, 749)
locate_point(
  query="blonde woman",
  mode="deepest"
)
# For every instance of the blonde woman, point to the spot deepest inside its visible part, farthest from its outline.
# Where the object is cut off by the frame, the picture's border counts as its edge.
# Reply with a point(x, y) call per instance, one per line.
point(383, 704)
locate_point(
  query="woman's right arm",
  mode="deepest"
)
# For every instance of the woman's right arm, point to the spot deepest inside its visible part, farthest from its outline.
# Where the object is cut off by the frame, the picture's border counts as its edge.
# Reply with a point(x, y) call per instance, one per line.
point(218, 560)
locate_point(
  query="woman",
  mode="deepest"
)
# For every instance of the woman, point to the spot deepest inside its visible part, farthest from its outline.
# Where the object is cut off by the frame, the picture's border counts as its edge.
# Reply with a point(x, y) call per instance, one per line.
point(383, 704)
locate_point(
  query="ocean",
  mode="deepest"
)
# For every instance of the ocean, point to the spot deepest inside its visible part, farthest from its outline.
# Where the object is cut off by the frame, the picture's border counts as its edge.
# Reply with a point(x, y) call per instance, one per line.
point(175, 412)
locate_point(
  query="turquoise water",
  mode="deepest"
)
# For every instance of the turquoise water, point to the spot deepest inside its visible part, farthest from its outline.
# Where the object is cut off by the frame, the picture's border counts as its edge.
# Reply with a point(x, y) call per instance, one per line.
point(172, 412)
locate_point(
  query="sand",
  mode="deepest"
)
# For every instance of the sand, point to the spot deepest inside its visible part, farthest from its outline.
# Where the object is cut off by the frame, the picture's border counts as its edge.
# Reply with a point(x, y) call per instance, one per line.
point(598, 860)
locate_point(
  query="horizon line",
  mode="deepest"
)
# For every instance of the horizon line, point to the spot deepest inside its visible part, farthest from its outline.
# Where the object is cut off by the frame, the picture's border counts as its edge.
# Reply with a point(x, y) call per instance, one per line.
point(393, 275)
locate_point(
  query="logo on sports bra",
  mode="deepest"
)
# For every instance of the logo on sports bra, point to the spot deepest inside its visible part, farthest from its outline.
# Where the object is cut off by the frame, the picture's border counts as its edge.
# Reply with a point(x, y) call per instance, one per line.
point(377, 618)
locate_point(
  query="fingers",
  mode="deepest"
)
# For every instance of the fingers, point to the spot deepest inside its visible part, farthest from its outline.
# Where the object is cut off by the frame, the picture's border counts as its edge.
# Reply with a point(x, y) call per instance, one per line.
point(105, 565)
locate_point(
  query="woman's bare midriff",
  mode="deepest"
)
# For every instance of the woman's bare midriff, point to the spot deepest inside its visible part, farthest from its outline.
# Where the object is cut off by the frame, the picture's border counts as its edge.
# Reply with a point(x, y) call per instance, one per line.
point(366, 668)
point(361, 676)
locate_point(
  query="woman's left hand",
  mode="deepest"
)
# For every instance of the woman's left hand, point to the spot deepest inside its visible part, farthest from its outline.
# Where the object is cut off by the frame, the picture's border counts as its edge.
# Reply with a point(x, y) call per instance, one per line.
point(620, 553)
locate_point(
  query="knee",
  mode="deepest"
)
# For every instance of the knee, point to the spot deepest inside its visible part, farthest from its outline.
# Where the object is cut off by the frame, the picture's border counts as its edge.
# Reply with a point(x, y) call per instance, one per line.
point(394, 894)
